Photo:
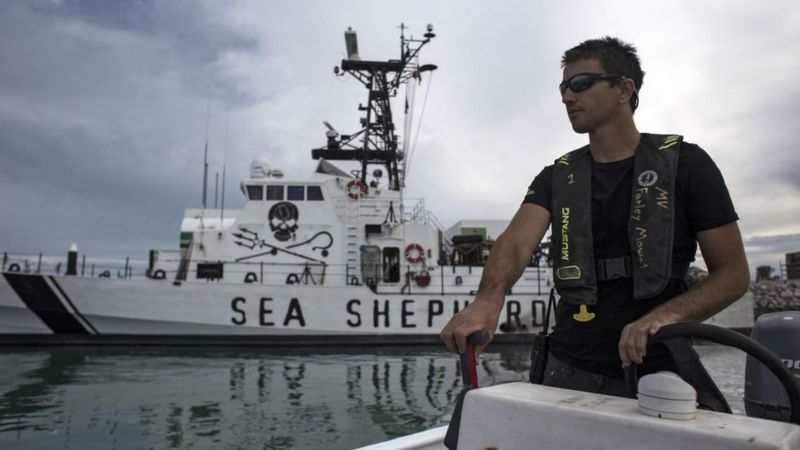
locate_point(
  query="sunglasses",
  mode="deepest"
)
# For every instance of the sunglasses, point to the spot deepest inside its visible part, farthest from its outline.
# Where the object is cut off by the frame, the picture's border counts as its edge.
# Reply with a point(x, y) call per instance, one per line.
point(584, 81)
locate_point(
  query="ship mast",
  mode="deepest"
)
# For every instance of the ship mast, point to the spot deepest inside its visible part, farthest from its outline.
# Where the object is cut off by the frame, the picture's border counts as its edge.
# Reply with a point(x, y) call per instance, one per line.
point(378, 141)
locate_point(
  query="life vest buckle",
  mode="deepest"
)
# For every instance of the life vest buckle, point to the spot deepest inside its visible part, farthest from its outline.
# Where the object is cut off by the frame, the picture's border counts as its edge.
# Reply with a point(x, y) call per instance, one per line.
point(613, 268)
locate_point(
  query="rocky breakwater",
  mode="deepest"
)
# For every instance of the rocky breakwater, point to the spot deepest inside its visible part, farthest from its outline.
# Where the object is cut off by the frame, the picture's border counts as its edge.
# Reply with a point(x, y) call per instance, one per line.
point(776, 295)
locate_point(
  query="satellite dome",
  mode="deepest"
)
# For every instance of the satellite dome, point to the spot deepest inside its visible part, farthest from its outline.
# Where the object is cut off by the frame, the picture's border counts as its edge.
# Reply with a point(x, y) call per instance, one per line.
point(260, 168)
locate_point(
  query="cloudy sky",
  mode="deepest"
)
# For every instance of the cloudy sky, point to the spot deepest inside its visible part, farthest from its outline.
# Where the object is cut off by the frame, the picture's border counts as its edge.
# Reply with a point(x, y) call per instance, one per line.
point(105, 105)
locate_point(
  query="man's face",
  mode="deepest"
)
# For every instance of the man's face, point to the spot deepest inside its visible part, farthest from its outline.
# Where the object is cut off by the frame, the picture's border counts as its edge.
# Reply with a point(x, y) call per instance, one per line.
point(590, 109)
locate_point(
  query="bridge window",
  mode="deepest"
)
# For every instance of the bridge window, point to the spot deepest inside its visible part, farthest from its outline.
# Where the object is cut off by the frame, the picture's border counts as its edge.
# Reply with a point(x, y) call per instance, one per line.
point(255, 192)
point(274, 192)
point(314, 193)
point(296, 193)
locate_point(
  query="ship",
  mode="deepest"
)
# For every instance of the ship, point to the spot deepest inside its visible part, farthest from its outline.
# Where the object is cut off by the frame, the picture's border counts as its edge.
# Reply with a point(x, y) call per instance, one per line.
point(337, 258)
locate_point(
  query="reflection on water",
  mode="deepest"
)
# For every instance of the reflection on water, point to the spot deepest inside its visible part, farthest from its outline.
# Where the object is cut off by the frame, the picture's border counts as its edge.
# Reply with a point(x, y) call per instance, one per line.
point(726, 366)
point(120, 398)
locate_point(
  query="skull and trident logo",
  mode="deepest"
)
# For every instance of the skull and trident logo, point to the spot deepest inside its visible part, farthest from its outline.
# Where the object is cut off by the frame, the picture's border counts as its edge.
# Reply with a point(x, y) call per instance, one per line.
point(283, 220)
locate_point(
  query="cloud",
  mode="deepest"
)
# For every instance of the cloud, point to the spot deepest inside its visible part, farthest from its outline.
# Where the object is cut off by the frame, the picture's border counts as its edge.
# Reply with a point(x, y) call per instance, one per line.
point(105, 106)
point(771, 250)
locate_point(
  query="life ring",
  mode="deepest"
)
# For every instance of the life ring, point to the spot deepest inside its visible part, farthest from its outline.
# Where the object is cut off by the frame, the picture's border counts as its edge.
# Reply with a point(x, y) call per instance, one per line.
point(250, 277)
point(423, 279)
point(415, 253)
point(105, 274)
point(14, 267)
point(356, 189)
point(158, 274)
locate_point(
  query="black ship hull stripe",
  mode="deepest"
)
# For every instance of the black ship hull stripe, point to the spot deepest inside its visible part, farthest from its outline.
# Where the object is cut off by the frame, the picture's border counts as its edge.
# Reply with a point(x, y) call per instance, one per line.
point(72, 305)
point(39, 298)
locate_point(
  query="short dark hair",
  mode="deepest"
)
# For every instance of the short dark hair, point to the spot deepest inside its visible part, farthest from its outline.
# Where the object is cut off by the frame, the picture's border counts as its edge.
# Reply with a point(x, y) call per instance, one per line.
point(616, 56)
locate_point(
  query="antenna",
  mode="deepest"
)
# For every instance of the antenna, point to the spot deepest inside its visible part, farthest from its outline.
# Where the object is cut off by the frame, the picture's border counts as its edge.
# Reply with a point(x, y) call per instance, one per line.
point(216, 189)
point(407, 161)
point(329, 127)
point(205, 155)
point(351, 43)
point(224, 157)
point(205, 174)
point(377, 143)
point(222, 201)
point(331, 134)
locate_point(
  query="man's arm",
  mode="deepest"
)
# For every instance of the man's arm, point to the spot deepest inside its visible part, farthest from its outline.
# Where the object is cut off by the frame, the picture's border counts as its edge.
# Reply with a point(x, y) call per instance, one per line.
point(728, 279)
point(510, 255)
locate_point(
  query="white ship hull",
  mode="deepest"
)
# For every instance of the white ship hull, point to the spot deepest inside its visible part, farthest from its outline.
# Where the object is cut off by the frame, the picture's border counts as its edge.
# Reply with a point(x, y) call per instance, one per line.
point(38, 308)
point(70, 309)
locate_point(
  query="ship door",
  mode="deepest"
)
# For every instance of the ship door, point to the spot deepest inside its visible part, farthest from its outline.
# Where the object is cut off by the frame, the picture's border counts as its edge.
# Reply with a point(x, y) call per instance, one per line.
point(391, 264)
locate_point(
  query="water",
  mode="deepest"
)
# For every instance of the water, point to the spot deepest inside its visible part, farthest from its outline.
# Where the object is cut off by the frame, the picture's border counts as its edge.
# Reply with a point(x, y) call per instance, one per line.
point(162, 398)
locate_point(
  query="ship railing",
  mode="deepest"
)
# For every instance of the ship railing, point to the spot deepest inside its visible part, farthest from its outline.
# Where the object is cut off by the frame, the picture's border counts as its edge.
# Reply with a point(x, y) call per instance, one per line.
point(419, 214)
point(87, 266)
point(167, 266)
point(267, 273)
point(444, 280)
point(447, 280)
point(352, 210)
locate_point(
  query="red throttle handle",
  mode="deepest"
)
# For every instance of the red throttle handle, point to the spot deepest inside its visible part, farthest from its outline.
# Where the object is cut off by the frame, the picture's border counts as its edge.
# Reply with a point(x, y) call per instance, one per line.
point(469, 363)
point(469, 374)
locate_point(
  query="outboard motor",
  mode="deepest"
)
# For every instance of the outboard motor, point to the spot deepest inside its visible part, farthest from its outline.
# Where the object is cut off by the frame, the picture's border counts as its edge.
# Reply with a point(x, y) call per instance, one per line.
point(763, 395)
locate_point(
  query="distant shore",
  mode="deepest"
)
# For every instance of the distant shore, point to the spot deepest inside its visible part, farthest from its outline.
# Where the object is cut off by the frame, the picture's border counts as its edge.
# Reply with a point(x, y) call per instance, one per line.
point(775, 295)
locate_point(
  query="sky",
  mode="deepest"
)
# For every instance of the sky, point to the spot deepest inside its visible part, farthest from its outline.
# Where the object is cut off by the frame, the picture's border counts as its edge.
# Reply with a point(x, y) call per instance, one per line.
point(106, 106)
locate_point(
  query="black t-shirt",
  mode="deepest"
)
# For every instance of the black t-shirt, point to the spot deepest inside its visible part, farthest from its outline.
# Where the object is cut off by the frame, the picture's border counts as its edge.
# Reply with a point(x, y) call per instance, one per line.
point(702, 203)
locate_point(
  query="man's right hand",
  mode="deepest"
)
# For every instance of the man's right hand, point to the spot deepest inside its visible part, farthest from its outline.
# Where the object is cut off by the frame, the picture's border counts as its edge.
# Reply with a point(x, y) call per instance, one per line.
point(510, 255)
point(479, 315)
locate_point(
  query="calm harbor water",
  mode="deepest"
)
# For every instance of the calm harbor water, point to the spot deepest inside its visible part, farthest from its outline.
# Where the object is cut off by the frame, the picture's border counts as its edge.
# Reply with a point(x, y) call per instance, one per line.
point(164, 398)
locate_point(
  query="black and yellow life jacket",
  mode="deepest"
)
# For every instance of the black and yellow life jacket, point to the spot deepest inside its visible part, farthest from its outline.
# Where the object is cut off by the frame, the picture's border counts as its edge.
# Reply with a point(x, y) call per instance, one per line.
point(650, 224)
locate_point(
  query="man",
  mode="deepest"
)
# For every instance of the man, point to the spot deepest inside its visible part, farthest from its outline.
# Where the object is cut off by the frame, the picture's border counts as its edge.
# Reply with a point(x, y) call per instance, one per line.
point(628, 211)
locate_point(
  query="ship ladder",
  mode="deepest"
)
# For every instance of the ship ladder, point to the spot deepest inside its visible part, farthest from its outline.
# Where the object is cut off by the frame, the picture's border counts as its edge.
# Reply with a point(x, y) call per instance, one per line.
point(351, 242)
point(183, 267)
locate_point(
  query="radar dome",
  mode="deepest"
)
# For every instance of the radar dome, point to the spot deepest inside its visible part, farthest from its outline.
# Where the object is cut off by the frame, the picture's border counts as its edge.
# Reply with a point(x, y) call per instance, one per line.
point(260, 168)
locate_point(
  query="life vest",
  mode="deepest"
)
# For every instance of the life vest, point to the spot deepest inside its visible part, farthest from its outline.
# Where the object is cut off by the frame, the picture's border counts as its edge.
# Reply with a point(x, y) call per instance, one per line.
point(650, 224)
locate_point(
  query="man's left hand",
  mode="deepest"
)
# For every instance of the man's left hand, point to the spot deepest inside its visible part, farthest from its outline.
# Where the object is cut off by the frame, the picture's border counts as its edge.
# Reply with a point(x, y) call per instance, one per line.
point(633, 342)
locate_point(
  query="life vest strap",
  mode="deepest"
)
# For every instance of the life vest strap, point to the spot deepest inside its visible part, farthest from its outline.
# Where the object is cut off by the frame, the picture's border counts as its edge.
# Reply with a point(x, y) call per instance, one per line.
point(621, 267)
